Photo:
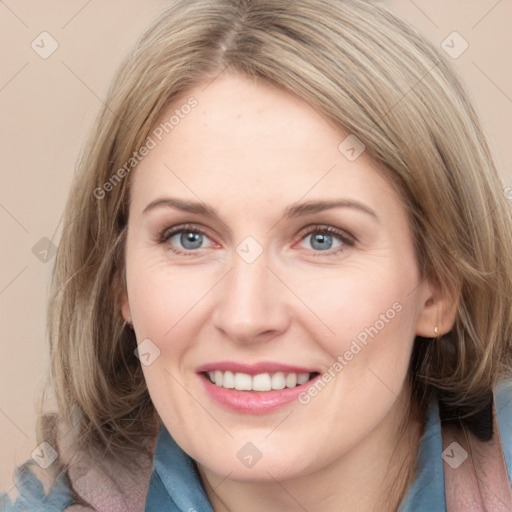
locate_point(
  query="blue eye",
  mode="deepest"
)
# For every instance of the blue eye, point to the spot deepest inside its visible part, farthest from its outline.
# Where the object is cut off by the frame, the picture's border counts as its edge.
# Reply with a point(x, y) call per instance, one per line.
point(188, 239)
point(183, 239)
point(325, 239)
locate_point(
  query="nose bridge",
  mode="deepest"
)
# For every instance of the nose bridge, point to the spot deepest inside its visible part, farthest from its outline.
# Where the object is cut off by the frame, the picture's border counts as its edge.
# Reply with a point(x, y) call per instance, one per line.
point(250, 305)
point(249, 286)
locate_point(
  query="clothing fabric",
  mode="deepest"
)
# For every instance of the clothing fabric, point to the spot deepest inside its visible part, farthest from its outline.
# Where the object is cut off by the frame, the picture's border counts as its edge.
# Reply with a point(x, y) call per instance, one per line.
point(175, 486)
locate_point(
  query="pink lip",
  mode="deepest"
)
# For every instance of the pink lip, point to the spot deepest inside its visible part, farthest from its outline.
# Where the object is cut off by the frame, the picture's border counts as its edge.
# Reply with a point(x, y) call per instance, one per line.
point(254, 402)
point(253, 369)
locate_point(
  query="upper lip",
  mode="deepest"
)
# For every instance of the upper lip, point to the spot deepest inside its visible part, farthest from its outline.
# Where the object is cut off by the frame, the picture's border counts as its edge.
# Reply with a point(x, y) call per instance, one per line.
point(254, 368)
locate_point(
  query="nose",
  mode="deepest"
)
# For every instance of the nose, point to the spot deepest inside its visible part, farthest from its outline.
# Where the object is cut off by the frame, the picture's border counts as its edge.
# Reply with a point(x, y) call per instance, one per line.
point(251, 305)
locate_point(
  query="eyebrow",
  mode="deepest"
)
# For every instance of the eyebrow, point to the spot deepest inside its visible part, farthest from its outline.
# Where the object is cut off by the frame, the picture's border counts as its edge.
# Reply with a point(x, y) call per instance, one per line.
point(181, 204)
point(318, 206)
point(296, 210)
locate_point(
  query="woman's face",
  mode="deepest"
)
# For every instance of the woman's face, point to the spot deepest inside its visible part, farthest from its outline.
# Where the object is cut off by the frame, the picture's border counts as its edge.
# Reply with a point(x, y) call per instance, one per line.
point(256, 247)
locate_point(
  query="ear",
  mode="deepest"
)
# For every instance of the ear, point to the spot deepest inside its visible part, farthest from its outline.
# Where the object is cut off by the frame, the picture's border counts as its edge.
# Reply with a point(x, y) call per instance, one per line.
point(124, 306)
point(122, 299)
point(439, 309)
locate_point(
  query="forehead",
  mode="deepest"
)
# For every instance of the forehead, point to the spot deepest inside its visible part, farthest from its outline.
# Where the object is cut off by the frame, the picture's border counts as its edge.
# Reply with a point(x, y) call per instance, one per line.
point(248, 142)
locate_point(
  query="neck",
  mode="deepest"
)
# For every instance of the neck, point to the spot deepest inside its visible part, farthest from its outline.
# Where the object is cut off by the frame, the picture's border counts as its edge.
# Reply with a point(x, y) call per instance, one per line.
point(374, 475)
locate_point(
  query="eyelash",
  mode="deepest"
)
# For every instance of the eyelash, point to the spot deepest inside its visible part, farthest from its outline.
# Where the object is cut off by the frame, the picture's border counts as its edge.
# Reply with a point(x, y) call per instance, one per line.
point(347, 240)
point(167, 234)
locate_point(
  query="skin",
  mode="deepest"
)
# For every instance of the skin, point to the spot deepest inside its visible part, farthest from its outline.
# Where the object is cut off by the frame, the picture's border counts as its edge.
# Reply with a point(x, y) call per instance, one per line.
point(250, 150)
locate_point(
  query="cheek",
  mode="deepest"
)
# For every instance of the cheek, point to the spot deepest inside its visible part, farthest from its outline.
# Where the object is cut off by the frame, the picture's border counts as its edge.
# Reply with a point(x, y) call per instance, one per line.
point(163, 298)
point(168, 311)
point(353, 301)
point(367, 357)
point(367, 327)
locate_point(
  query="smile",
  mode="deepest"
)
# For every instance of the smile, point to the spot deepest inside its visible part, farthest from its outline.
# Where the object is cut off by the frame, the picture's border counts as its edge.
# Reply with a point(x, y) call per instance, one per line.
point(255, 389)
point(259, 382)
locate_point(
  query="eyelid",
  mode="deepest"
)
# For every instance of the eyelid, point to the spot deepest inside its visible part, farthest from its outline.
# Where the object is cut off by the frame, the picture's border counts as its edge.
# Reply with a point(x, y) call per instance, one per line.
point(346, 238)
point(167, 233)
point(326, 228)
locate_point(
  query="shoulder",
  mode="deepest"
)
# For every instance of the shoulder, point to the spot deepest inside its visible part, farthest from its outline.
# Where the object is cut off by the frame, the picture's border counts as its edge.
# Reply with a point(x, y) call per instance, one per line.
point(31, 484)
point(74, 488)
point(503, 401)
point(76, 482)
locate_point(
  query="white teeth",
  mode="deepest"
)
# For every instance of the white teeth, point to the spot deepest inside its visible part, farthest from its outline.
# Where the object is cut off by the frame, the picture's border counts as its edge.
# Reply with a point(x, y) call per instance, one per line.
point(302, 378)
point(260, 382)
point(243, 382)
point(291, 380)
point(278, 381)
point(228, 380)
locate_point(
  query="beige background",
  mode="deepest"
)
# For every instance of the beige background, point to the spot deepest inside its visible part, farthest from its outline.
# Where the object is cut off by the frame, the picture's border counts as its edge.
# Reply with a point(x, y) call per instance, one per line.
point(48, 105)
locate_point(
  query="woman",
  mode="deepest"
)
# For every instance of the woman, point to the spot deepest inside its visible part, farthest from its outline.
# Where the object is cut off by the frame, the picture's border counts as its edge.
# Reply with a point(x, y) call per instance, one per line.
point(285, 264)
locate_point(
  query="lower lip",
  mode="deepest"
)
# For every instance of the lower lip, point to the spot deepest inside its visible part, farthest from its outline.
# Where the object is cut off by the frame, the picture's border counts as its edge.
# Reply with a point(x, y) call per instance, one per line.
point(254, 402)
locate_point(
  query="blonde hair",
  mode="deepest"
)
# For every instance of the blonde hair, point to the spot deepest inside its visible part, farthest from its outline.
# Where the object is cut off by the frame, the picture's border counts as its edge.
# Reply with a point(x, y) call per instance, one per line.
point(374, 77)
